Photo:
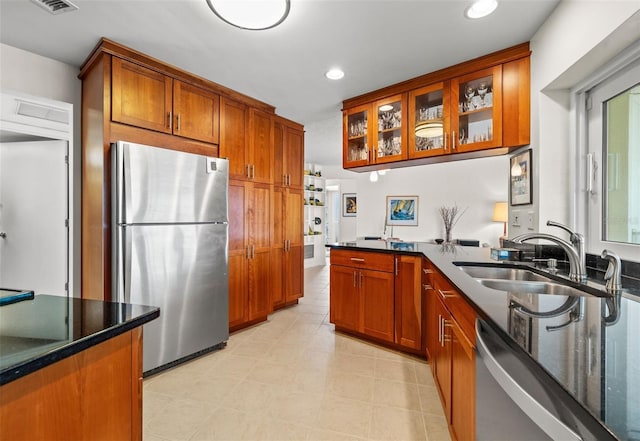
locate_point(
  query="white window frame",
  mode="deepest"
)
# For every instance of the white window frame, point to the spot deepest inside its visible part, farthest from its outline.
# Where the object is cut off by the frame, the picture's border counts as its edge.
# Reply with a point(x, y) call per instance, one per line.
point(579, 149)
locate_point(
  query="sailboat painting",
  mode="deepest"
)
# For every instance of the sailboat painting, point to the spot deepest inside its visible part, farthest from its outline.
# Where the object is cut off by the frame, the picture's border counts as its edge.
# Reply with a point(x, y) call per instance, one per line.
point(402, 210)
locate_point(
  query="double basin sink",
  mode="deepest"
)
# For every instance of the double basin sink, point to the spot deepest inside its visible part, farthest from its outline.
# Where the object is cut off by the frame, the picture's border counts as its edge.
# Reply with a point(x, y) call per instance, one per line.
point(519, 280)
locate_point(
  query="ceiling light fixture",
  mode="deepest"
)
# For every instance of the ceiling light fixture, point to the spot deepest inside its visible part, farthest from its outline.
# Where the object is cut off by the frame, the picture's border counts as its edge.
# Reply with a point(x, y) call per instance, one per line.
point(481, 8)
point(253, 15)
point(334, 74)
point(385, 107)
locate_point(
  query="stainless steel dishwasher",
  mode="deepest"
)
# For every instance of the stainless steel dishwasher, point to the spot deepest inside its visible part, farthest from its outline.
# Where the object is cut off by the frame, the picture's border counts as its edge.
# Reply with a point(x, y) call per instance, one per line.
point(514, 400)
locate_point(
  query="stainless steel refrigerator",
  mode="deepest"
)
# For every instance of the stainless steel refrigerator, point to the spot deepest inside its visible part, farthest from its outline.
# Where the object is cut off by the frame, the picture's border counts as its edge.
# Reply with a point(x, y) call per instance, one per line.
point(170, 248)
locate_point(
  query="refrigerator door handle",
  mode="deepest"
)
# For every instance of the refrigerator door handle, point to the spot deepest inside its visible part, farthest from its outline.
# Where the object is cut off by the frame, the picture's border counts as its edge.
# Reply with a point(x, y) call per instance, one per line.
point(126, 266)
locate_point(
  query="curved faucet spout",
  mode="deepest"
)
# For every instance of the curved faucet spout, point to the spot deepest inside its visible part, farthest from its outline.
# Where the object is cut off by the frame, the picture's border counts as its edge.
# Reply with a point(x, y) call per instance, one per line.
point(576, 270)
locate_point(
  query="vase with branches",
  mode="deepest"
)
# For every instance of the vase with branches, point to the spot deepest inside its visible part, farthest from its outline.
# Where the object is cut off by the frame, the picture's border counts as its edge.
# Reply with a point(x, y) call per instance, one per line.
point(450, 217)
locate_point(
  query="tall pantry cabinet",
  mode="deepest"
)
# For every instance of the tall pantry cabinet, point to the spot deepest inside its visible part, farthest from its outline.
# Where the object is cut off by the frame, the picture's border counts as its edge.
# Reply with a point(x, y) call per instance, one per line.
point(129, 96)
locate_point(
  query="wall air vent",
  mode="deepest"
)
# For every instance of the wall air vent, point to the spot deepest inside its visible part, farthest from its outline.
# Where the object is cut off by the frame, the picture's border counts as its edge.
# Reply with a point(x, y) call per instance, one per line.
point(56, 6)
point(26, 108)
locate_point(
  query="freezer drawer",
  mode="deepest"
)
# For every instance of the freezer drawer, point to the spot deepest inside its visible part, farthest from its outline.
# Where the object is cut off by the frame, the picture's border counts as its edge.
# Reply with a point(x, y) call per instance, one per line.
point(183, 269)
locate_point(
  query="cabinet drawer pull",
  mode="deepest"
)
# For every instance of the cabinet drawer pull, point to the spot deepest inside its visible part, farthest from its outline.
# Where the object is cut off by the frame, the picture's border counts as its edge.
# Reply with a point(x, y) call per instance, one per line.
point(445, 294)
point(427, 287)
point(427, 271)
point(357, 259)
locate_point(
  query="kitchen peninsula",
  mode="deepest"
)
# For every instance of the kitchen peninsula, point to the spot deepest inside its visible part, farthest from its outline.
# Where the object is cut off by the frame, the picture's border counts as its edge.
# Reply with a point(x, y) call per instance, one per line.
point(71, 369)
point(571, 353)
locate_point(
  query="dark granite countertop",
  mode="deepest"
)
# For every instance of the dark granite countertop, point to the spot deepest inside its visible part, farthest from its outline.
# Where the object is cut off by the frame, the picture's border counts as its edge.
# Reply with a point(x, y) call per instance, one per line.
point(36, 333)
point(592, 350)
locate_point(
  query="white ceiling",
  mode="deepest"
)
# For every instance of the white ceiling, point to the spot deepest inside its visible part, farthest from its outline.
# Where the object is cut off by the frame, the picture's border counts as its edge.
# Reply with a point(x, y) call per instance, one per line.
point(376, 42)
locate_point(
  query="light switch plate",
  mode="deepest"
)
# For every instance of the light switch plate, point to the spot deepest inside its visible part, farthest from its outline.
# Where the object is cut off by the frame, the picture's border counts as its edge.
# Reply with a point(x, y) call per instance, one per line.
point(515, 218)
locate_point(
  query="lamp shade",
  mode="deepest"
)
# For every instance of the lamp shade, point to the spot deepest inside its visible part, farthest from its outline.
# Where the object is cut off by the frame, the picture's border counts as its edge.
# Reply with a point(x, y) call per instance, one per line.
point(500, 212)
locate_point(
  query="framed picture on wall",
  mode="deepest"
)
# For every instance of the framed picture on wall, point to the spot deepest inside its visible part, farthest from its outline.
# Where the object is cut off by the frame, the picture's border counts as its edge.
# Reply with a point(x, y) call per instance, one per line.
point(402, 210)
point(349, 204)
point(520, 181)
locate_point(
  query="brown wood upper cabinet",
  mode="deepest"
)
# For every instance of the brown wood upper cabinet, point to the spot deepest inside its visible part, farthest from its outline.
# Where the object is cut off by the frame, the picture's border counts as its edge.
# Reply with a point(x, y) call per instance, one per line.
point(375, 133)
point(148, 99)
point(480, 105)
point(288, 153)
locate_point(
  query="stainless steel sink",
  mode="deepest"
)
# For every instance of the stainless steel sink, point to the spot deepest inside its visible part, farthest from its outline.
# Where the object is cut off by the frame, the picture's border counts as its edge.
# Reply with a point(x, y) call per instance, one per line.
point(490, 272)
point(517, 280)
point(531, 287)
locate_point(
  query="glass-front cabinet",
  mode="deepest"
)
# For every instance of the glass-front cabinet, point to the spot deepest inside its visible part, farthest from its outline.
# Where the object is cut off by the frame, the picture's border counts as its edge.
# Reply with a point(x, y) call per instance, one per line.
point(390, 139)
point(357, 136)
point(429, 121)
point(476, 110)
point(375, 133)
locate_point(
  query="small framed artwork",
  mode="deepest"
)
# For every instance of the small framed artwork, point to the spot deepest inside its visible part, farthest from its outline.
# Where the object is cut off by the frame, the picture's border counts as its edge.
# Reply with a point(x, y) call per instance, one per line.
point(349, 204)
point(520, 182)
point(402, 210)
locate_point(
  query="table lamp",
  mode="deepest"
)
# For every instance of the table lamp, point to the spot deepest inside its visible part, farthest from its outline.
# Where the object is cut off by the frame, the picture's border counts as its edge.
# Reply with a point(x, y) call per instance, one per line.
point(501, 214)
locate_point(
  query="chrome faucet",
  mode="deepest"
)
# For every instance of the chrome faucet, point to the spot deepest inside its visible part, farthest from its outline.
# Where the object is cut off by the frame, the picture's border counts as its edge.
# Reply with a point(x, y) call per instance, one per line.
point(576, 239)
point(613, 276)
point(577, 270)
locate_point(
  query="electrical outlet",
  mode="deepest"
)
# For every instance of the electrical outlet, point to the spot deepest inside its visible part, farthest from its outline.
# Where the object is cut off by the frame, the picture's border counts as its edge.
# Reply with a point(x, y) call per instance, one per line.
point(530, 220)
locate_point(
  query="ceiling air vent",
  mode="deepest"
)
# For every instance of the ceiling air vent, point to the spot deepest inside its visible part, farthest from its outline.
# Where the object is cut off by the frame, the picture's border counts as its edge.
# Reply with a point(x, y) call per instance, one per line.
point(42, 112)
point(56, 6)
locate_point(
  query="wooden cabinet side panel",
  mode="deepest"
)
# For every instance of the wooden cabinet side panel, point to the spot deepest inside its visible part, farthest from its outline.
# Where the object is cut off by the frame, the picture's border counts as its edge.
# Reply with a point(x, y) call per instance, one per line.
point(377, 304)
point(96, 99)
point(197, 112)
point(233, 146)
point(85, 396)
point(516, 108)
point(408, 302)
point(136, 383)
point(141, 97)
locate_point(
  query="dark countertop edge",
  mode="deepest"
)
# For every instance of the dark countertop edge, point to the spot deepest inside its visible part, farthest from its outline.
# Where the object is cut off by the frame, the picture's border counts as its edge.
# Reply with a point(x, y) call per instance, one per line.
point(27, 367)
point(561, 393)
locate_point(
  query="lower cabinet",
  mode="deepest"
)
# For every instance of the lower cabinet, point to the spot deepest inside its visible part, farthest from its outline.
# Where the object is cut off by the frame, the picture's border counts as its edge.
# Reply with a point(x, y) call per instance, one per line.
point(95, 394)
point(361, 293)
point(450, 350)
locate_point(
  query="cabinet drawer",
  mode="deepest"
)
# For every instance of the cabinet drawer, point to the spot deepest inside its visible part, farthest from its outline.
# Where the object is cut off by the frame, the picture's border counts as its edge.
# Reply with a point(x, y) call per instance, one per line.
point(363, 259)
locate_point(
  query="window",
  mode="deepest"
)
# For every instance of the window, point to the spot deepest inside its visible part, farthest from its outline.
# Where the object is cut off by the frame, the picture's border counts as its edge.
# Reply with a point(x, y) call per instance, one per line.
point(613, 163)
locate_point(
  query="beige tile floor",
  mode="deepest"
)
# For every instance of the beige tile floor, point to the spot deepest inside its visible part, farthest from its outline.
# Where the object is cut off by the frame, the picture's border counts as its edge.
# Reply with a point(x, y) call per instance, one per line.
point(295, 378)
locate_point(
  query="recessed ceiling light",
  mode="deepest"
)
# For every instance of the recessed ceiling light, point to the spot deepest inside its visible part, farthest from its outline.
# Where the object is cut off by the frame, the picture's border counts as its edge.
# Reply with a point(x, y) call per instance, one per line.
point(250, 14)
point(334, 74)
point(481, 8)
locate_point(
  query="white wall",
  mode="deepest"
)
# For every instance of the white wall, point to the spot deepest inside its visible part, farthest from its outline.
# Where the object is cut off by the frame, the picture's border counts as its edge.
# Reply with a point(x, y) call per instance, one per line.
point(566, 49)
point(472, 184)
point(26, 72)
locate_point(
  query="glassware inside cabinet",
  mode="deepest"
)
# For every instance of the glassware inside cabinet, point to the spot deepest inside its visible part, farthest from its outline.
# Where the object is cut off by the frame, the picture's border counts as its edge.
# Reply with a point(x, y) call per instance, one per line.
point(475, 111)
point(390, 129)
point(357, 137)
point(429, 120)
